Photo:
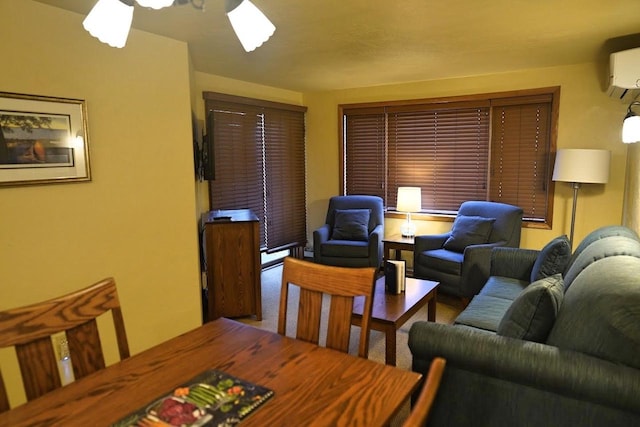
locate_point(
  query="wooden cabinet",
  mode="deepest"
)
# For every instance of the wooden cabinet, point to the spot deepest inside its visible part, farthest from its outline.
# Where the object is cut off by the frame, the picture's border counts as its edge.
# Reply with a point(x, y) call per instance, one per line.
point(232, 250)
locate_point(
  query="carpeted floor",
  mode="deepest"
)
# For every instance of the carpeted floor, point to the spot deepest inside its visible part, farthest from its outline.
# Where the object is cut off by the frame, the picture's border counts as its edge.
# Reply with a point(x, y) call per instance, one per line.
point(447, 309)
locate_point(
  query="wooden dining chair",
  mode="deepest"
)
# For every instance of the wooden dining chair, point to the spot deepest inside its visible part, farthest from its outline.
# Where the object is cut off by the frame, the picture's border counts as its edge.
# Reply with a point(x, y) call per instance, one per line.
point(29, 330)
point(420, 410)
point(342, 284)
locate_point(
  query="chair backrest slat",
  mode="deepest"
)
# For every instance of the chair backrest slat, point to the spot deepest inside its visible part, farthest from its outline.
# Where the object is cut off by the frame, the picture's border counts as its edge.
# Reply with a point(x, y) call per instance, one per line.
point(420, 411)
point(342, 284)
point(29, 330)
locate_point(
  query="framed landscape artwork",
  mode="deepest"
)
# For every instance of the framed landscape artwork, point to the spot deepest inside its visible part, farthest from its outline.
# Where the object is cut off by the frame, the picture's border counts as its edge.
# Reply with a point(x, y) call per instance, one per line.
point(42, 140)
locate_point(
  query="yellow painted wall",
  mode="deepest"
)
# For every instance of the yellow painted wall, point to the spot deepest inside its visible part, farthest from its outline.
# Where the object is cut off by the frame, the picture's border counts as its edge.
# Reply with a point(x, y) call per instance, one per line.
point(588, 119)
point(135, 220)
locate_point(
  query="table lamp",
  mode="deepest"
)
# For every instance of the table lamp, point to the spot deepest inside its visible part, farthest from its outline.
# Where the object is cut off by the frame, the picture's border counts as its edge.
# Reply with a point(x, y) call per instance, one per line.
point(409, 200)
point(581, 166)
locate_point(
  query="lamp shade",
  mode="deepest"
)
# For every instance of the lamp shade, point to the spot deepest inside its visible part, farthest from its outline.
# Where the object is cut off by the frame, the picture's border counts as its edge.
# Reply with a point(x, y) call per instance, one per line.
point(582, 166)
point(409, 199)
point(155, 4)
point(109, 21)
point(250, 25)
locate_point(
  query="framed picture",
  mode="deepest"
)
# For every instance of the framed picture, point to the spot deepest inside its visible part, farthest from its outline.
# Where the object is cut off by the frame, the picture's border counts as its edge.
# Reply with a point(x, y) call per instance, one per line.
point(43, 140)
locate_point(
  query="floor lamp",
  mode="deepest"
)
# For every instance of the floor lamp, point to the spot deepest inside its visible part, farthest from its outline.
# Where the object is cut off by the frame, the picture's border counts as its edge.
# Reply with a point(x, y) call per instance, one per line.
point(581, 166)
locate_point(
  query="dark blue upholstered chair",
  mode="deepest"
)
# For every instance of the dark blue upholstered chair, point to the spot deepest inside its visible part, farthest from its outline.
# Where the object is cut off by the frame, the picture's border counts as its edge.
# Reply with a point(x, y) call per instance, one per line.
point(352, 233)
point(461, 264)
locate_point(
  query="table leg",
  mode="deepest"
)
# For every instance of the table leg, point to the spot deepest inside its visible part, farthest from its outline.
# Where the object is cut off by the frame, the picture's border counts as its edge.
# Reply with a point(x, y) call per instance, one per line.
point(390, 345)
point(431, 314)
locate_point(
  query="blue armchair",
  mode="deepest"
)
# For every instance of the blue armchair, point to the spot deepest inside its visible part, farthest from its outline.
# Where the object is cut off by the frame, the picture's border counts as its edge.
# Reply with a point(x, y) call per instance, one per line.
point(352, 233)
point(460, 259)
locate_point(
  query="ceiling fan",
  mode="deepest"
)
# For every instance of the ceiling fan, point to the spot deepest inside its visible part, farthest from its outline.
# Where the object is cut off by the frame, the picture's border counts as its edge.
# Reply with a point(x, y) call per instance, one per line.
point(110, 20)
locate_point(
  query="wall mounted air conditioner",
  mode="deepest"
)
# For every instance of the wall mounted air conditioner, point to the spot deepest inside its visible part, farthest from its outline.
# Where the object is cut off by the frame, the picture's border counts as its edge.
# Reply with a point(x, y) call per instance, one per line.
point(624, 74)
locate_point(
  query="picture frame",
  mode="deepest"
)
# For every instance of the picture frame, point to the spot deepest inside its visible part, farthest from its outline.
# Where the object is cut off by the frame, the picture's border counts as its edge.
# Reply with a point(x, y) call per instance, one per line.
point(43, 140)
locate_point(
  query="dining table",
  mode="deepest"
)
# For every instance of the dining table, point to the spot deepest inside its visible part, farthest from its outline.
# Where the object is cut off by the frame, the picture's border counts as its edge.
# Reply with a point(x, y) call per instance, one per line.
point(312, 385)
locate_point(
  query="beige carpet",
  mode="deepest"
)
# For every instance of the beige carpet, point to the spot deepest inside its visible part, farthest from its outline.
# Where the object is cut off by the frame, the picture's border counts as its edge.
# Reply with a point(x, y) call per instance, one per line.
point(447, 309)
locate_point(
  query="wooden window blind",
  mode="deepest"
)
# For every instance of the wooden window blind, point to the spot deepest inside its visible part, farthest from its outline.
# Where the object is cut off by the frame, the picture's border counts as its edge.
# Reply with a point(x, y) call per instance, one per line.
point(259, 159)
point(521, 156)
point(365, 152)
point(443, 151)
point(480, 147)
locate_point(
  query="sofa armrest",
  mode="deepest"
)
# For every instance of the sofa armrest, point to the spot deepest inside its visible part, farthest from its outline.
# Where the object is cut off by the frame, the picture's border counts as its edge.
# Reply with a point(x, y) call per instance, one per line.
point(476, 267)
point(524, 368)
point(513, 262)
point(320, 236)
point(429, 242)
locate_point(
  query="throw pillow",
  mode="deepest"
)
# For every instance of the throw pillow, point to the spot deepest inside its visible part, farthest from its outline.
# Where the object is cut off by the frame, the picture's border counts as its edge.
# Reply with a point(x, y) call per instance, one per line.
point(351, 224)
point(552, 259)
point(533, 313)
point(468, 230)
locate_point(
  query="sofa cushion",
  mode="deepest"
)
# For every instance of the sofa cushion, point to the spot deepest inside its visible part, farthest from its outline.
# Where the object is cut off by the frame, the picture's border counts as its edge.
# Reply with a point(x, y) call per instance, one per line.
point(552, 259)
point(345, 248)
point(468, 230)
point(504, 287)
point(351, 224)
point(532, 315)
point(442, 260)
point(484, 312)
point(600, 313)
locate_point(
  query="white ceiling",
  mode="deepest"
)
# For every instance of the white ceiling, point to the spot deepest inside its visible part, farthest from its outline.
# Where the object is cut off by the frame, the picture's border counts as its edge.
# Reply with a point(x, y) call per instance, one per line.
point(337, 44)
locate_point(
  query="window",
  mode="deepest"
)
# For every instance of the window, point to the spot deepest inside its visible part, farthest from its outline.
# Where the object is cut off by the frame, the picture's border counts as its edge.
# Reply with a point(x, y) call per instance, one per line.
point(259, 159)
point(484, 147)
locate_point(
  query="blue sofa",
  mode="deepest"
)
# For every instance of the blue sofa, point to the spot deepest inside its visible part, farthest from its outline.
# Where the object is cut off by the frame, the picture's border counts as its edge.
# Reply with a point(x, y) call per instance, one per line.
point(566, 355)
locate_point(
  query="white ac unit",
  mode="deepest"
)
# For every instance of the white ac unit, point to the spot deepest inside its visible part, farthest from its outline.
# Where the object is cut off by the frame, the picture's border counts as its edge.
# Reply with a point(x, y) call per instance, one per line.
point(624, 74)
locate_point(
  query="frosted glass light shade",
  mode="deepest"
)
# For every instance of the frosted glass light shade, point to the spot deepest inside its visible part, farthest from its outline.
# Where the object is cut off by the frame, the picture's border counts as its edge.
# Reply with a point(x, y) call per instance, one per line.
point(109, 21)
point(250, 25)
point(155, 4)
point(582, 166)
point(631, 129)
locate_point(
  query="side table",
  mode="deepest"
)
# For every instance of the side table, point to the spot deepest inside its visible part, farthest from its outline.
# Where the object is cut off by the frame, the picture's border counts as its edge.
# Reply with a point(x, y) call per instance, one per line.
point(398, 243)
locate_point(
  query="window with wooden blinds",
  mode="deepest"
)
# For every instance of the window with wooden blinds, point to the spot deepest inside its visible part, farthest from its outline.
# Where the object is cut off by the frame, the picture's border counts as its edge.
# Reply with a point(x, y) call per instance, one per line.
point(480, 147)
point(259, 159)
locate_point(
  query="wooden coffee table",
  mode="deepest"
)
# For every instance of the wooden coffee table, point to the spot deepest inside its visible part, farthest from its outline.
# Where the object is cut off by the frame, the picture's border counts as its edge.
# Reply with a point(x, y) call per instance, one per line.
point(391, 311)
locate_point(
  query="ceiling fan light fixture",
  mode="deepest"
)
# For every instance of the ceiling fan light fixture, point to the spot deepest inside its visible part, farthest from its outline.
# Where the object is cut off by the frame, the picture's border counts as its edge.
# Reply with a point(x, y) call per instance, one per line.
point(155, 4)
point(110, 21)
point(251, 26)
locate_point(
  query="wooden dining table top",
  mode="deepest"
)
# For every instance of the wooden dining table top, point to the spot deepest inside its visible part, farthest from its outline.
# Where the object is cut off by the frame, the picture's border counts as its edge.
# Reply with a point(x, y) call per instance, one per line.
point(313, 385)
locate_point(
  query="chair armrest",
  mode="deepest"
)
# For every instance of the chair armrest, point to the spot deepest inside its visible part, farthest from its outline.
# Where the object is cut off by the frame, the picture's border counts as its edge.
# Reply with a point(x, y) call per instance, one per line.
point(320, 236)
point(524, 365)
point(430, 241)
point(515, 263)
point(375, 245)
point(476, 267)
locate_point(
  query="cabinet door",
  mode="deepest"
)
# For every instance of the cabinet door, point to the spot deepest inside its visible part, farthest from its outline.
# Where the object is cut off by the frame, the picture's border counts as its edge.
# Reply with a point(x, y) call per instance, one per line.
point(231, 252)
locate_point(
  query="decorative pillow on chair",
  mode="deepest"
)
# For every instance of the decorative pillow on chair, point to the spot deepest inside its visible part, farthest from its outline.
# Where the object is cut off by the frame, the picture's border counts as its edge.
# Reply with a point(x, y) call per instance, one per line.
point(468, 230)
point(351, 224)
point(552, 259)
point(532, 314)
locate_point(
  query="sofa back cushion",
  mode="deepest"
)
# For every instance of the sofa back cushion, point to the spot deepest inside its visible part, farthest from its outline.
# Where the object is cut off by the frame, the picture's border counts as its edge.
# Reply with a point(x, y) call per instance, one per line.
point(552, 259)
point(600, 312)
point(598, 250)
point(601, 233)
point(533, 313)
